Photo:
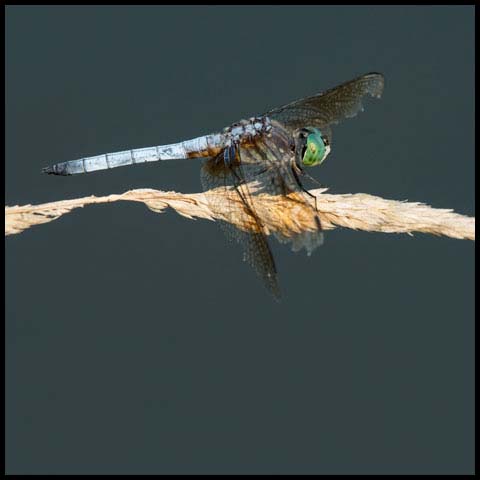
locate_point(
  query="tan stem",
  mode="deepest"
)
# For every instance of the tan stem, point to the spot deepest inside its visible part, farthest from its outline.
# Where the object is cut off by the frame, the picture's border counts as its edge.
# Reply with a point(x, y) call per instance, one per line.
point(357, 211)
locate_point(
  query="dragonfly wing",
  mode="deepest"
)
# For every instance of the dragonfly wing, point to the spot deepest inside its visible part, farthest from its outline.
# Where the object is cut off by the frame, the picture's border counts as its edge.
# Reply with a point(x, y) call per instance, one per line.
point(227, 180)
point(279, 179)
point(266, 167)
point(331, 106)
point(269, 166)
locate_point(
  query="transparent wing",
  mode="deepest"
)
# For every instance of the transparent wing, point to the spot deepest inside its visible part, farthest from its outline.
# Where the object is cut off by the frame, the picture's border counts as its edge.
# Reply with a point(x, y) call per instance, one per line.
point(279, 179)
point(227, 181)
point(331, 106)
point(264, 168)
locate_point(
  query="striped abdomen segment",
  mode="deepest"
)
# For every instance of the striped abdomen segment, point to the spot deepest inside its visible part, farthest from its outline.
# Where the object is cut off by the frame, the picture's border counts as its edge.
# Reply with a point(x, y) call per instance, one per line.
point(206, 146)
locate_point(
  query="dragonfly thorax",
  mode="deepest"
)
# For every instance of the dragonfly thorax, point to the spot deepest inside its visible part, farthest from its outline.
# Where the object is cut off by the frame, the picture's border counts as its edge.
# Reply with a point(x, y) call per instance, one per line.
point(245, 131)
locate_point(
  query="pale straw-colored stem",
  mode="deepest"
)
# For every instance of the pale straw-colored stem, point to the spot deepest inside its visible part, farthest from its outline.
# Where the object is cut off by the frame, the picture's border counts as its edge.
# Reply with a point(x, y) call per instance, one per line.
point(286, 216)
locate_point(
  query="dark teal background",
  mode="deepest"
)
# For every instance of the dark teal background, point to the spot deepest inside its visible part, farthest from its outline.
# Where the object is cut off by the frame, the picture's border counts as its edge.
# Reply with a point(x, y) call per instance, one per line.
point(141, 343)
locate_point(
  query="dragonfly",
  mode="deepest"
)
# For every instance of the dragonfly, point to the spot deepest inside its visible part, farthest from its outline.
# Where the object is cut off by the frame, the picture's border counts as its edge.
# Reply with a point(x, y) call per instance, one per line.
point(265, 154)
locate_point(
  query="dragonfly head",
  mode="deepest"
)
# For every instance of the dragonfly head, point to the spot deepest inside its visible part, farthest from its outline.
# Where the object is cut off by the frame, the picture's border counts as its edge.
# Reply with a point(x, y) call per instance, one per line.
point(311, 147)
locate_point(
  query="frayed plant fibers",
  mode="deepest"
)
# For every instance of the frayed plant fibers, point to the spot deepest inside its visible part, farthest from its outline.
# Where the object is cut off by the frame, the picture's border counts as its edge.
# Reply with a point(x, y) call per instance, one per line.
point(279, 215)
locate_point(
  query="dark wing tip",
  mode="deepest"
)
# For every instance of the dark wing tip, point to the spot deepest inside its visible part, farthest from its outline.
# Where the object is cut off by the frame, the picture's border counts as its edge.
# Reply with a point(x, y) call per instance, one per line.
point(374, 74)
point(376, 83)
point(274, 289)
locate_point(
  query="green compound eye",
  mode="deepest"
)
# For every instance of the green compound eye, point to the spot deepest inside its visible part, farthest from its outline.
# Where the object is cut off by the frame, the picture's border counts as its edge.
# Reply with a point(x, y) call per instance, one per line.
point(315, 150)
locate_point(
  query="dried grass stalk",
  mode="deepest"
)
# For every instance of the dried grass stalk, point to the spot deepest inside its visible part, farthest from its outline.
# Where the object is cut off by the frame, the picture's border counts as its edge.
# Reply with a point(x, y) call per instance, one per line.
point(357, 211)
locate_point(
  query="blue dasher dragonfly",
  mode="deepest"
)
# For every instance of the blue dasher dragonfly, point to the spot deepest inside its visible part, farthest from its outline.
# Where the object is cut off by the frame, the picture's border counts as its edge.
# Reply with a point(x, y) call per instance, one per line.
point(264, 154)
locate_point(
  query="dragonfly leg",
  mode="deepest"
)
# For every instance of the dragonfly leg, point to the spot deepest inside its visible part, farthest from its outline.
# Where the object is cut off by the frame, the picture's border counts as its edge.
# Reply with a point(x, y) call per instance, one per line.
point(314, 180)
point(317, 218)
point(229, 154)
